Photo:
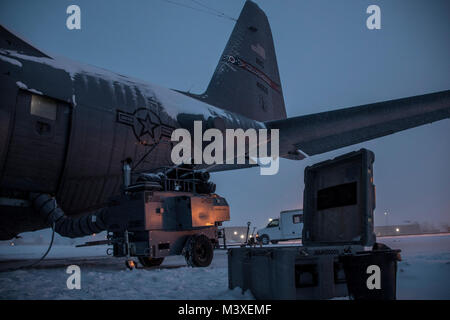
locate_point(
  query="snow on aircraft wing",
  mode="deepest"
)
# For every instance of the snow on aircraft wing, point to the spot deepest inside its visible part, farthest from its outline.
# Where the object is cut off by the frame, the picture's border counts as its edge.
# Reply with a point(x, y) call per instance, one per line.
point(326, 131)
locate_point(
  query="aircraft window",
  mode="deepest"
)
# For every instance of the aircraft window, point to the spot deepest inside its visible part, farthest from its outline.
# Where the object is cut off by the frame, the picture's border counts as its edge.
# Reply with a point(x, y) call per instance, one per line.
point(273, 223)
point(43, 107)
point(297, 218)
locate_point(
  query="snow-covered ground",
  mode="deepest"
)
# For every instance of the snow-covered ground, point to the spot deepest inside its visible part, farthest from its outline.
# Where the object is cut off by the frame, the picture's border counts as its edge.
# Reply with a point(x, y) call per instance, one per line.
point(424, 273)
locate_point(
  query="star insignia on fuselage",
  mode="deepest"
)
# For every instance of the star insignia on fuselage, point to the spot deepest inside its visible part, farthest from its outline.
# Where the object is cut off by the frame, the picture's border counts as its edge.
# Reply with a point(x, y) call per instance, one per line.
point(148, 126)
point(145, 123)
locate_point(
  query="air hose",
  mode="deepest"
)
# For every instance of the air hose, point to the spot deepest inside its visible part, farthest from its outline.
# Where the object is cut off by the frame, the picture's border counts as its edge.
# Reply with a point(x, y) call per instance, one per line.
point(46, 206)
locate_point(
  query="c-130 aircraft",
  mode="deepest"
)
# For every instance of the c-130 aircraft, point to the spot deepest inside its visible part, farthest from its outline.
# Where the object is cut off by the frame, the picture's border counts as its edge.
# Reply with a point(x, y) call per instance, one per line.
point(66, 128)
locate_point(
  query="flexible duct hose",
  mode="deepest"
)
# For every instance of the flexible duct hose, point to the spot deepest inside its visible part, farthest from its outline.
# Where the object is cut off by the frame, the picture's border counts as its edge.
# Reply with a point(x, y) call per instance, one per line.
point(47, 208)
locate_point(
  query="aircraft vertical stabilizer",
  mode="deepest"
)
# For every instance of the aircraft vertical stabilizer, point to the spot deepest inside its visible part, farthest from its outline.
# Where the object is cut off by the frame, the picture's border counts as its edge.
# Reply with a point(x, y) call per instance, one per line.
point(246, 80)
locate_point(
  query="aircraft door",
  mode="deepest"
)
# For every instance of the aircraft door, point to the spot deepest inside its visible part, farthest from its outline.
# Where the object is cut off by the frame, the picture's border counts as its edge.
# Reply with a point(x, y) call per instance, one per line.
point(38, 144)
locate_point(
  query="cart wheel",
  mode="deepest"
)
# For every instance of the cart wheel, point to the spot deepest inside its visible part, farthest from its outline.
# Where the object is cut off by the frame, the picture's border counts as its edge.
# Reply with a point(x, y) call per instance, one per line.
point(264, 239)
point(130, 264)
point(198, 251)
point(150, 262)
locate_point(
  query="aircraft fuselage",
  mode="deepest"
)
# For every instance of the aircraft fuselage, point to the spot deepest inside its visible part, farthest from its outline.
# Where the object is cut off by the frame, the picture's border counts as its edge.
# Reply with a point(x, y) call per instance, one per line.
point(66, 128)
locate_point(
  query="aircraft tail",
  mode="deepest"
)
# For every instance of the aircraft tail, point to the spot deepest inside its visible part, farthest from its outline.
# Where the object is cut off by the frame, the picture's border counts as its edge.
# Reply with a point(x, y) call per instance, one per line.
point(246, 80)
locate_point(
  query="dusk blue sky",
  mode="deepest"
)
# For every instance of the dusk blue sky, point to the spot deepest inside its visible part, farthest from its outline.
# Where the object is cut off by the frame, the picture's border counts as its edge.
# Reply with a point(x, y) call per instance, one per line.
point(327, 58)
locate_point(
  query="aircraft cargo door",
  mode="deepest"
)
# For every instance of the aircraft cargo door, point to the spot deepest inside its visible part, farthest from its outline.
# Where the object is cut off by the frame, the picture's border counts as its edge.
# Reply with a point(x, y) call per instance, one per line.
point(38, 143)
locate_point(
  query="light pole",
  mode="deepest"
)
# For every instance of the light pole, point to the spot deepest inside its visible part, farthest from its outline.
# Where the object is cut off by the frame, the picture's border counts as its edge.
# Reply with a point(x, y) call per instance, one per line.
point(386, 216)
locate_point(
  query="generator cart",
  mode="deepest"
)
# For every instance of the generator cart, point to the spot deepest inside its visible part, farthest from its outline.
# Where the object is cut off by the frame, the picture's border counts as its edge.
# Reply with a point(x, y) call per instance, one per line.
point(170, 211)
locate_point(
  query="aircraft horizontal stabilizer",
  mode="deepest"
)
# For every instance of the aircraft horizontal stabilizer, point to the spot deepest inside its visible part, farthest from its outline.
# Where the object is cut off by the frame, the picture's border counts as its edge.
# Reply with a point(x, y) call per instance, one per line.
point(326, 131)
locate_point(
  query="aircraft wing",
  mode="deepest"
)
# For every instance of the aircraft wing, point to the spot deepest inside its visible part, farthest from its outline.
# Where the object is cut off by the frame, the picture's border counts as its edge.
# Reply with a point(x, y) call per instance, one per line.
point(326, 131)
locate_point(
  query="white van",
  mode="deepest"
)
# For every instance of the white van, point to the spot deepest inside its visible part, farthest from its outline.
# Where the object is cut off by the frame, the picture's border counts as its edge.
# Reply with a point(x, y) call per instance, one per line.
point(288, 227)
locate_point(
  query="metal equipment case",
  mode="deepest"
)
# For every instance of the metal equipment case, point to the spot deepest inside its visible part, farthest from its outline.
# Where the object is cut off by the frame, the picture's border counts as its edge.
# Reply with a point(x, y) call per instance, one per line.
point(339, 200)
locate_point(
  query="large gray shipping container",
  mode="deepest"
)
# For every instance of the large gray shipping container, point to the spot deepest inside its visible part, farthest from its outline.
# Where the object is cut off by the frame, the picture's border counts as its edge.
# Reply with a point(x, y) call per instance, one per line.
point(286, 273)
point(339, 200)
